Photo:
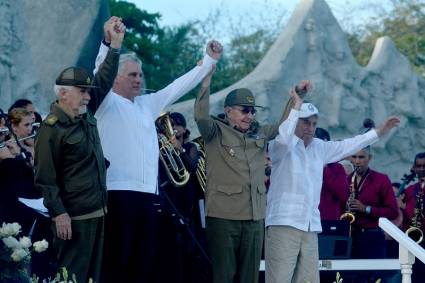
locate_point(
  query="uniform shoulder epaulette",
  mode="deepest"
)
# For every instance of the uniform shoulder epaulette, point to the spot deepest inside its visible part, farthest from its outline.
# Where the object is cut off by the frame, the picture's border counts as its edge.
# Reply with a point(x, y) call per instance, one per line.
point(51, 120)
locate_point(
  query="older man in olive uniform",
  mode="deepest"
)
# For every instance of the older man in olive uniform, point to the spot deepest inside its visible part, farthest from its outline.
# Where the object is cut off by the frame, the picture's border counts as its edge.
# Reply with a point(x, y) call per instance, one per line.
point(70, 166)
point(236, 194)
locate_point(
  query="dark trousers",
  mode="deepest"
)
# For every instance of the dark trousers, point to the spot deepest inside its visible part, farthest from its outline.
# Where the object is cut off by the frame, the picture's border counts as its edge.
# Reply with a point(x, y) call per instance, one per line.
point(418, 268)
point(82, 255)
point(235, 248)
point(369, 244)
point(130, 238)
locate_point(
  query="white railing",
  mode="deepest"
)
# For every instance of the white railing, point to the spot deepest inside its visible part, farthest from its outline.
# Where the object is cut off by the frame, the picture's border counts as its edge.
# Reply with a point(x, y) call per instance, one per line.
point(408, 249)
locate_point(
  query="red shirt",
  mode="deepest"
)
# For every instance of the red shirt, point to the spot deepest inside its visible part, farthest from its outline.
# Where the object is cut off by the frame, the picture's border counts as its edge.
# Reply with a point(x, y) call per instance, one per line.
point(377, 192)
point(410, 194)
point(335, 192)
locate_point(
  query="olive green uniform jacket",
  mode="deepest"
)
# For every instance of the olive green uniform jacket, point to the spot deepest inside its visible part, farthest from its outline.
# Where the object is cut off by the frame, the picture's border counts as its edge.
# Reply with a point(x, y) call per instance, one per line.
point(235, 164)
point(69, 162)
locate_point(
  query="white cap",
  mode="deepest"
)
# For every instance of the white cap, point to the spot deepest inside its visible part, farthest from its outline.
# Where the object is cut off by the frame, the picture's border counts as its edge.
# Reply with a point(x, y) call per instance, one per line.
point(307, 110)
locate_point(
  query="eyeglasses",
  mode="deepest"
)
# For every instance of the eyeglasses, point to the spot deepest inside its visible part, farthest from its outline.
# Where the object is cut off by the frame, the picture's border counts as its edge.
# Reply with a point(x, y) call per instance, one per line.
point(247, 109)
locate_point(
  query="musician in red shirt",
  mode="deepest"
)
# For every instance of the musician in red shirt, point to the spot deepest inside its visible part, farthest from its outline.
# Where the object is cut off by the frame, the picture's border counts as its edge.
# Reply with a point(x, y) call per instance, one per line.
point(335, 191)
point(374, 199)
point(415, 202)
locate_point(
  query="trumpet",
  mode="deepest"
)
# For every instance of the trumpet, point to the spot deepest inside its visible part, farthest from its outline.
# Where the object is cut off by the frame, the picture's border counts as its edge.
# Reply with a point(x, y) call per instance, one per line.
point(201, 173)
point(5, 143)
point(415, 230)
point(170, 158)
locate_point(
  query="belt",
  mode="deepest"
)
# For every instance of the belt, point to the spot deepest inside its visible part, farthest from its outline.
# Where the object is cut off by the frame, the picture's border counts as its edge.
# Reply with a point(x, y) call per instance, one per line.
point(95, 214)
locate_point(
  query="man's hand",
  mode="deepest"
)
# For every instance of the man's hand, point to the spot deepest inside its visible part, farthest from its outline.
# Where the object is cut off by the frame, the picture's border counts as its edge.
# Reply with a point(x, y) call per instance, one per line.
point(304, 86)
point(112, 20)
point(297, 99)
point(63, 226)
point(214, 49)
point(357, 206)
point(115, 30)
point(385, 128)
point(296, 92)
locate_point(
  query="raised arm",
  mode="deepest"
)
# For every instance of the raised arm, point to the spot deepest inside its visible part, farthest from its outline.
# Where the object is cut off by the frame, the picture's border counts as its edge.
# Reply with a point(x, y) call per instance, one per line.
point(337, 150)
point(286, 136)
point(301, 89)
point(106, 71)
point(206, 124)
point(188, 81)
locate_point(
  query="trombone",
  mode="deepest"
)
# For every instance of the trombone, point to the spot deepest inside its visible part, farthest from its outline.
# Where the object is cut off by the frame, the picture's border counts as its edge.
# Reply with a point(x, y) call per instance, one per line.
point(169, 156)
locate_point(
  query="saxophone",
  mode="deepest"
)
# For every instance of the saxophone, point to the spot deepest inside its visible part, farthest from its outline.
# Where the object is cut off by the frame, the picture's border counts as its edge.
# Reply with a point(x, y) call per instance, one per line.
point(415, 230)
point(348, 215)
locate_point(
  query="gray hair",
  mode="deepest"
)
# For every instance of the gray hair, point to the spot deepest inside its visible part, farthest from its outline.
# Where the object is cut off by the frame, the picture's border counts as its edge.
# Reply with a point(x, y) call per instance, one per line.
point(128, 57)
point(57, 89)
point(131, 57)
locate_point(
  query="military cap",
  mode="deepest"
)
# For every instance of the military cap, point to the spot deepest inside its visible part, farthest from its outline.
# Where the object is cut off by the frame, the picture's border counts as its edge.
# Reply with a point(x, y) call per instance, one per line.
point(75, 76)
point(240, 96)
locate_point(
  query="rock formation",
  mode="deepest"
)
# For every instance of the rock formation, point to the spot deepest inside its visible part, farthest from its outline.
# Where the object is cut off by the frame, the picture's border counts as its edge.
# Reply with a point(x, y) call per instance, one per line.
point(313, 46)
point(41, 38)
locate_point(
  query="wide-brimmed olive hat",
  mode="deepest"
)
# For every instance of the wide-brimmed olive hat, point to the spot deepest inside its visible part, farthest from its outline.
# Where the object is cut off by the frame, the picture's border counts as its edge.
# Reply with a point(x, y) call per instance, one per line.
point(75, 76)
point(240, 96)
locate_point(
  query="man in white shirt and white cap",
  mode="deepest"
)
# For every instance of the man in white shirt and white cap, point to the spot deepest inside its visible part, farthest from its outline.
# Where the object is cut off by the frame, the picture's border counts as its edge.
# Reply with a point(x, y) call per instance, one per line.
point(293, 217)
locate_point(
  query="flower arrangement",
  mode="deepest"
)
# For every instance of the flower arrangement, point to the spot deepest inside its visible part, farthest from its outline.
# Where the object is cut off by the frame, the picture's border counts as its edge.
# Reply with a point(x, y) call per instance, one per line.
point(15, 254)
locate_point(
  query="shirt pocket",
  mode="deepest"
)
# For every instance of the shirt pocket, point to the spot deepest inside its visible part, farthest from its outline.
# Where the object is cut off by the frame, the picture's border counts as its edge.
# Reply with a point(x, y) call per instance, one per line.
point(232, 147)
point(76, 146)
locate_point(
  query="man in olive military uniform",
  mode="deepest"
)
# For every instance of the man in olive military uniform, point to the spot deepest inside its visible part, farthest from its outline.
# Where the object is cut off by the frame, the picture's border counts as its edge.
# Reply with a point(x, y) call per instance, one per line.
point(235, 194)
point(70, 166)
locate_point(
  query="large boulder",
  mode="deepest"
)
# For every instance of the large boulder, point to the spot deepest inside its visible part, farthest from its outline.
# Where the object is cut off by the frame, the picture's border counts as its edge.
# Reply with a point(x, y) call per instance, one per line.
point(313, 46)
point(41, 38)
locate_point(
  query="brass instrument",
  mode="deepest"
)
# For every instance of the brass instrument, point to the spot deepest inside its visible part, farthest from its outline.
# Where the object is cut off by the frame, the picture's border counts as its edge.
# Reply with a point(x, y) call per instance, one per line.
point(415, 230)
point(348, 215)
point(201, 173)
point(169, 156)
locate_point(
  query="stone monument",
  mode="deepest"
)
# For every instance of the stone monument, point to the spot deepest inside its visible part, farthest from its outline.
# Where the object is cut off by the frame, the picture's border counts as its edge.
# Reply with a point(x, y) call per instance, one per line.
point(40, 38)
point(313, 46)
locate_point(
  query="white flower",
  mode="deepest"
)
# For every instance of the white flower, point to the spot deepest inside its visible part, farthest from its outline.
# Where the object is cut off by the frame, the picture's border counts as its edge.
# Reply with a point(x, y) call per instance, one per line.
point(41, 246)
point(9, 229)
point(25, 242)
point(11, 243)
point(19, 254)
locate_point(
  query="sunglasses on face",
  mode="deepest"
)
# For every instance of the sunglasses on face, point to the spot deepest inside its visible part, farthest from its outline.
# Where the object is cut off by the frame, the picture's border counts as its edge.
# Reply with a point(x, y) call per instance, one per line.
point(246, 110)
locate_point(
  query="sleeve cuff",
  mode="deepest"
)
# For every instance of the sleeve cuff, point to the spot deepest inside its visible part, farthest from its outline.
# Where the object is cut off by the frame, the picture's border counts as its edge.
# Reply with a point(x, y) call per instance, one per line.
point(208, 60)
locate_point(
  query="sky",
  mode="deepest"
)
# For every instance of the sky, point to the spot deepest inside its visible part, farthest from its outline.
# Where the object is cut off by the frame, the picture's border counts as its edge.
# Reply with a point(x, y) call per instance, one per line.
point(176, 12)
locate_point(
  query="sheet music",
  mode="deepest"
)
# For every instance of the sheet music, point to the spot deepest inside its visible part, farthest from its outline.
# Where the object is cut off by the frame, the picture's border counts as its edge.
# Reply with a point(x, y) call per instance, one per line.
point(36, 204)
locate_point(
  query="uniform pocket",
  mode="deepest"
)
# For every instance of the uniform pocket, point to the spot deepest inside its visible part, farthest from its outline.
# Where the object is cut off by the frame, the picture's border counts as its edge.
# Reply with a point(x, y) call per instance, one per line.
point(260, 143)
point(229, 190)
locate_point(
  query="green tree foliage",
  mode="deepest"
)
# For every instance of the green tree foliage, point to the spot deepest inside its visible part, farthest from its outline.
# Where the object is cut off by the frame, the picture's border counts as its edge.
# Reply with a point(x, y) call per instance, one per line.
point(168, 52)
point(404, 24)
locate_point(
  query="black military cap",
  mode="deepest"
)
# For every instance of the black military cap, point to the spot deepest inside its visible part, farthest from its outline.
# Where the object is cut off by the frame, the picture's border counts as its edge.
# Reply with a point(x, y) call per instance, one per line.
point(240, 96)
point(75, 76)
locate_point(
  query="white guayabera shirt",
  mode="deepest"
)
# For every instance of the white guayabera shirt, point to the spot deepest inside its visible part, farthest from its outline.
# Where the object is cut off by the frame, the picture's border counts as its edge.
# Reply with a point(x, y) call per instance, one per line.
point(296, 180)
point(127, 130)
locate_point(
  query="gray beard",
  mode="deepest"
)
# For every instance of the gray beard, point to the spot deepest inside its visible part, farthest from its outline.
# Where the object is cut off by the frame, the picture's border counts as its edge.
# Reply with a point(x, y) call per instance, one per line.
point(82, 110)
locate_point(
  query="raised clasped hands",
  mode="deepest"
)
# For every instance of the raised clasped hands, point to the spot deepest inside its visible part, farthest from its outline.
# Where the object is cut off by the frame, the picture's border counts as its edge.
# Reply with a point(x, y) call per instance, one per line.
point(114, 30)
point(303, 86)
point(214, 49)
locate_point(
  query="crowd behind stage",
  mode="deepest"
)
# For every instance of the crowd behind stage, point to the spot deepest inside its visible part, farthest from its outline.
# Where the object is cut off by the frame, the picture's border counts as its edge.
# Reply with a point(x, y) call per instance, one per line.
point(134, 198)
